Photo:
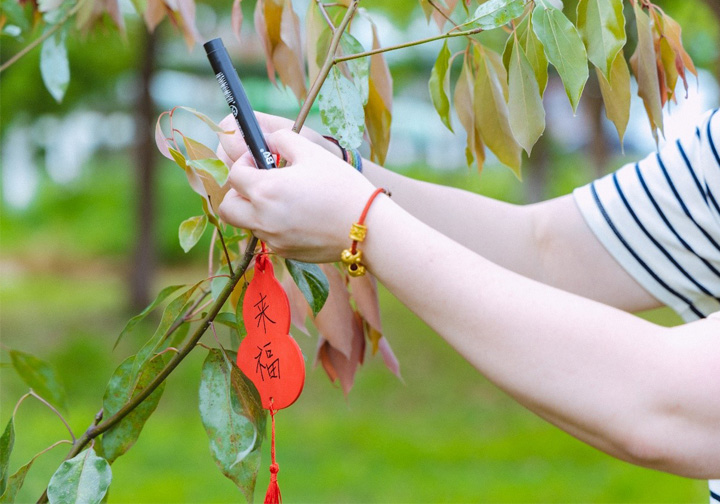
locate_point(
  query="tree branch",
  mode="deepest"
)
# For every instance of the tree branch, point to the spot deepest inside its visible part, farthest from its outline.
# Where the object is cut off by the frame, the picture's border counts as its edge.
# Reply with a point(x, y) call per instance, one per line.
point(446, 35)
point(325, 14)
point(32, 45)
point(325, 69)
point(95, 430)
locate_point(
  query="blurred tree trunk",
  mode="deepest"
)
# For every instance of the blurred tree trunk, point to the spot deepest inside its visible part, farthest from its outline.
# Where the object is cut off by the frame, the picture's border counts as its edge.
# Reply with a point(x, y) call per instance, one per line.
point(536, 174)
point(144, 258)
point(599, 148)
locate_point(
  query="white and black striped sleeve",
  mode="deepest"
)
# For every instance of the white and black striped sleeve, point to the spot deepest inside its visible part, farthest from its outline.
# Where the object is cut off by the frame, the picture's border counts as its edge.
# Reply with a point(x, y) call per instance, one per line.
point(660, 219)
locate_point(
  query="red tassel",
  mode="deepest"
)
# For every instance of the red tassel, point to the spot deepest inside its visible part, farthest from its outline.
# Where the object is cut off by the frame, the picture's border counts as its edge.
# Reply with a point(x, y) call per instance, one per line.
point(273, 492)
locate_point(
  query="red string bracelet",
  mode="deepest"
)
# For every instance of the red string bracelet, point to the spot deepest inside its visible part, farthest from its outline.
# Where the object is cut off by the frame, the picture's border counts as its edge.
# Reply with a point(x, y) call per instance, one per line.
point(352, 257)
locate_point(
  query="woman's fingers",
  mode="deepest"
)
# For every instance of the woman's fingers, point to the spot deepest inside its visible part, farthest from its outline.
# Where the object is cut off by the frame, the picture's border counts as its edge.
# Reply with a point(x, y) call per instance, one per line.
point(234, 145)
point(237, 211)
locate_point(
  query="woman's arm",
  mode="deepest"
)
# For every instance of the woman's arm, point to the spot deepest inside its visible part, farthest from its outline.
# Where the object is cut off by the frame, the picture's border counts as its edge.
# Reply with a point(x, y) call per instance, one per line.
point(549, 242)
point(638, 391)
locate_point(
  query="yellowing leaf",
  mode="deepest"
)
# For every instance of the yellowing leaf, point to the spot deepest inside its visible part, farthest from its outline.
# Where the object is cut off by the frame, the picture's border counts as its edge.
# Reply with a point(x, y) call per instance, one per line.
point(463, 99)
point(644, 66)
point(670, 71)
point(439, 84)
point(491, 113)
point(673, 33)
point(601, 24)
point(191, 230)
point(314, 26)
point(378, 111)
point(563, 47)
point(525, 107)
point(341, 109)
point(287, 56)
point(154, 13)
point(217, 169)
point(616, 94)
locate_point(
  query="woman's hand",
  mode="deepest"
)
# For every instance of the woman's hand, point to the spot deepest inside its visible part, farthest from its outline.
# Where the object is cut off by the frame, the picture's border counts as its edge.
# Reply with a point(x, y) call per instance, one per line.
point(232, 147)
point(303, 211)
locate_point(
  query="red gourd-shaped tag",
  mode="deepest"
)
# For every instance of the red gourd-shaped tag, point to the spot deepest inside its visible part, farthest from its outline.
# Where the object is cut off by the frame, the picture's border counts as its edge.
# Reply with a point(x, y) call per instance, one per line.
point(268, 355)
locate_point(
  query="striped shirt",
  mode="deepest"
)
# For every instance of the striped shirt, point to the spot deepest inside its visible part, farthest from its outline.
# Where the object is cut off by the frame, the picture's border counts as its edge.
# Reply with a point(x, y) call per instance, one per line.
point(660, 219)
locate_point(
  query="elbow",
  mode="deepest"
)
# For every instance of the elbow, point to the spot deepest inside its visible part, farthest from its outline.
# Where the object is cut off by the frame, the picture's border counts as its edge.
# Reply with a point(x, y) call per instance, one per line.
point(670, 450)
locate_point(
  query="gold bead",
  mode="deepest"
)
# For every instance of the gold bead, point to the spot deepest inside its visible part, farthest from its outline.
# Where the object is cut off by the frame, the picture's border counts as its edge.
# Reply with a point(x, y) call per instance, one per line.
point(356, 270)
point(348, 257)
point(358, 232)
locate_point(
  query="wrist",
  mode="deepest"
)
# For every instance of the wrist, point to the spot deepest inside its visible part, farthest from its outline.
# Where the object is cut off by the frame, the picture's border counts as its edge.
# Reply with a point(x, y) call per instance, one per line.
point(331, 147)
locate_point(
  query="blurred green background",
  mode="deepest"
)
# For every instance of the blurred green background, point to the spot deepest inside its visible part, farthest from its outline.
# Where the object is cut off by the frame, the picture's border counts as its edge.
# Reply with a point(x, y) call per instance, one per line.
point(442, 434)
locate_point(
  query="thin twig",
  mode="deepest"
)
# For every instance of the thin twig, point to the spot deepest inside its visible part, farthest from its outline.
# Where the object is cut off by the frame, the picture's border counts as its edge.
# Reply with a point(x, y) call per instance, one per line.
point(442, 12)
point(52, 408)
point(95, 430)
point(325, 14)
point(446, 35)
point(227, 254)
point(32, 45)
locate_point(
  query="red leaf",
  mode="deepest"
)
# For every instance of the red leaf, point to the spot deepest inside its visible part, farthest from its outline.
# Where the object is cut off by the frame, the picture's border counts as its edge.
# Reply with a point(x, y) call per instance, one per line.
point(389, 358)
point(236, 18)
point(364, 291)
point(160, 140)
point(336, 322)
point(154, 13)
point(261, 29)
point(186, 8)
point(299, 307)
point(341, 367)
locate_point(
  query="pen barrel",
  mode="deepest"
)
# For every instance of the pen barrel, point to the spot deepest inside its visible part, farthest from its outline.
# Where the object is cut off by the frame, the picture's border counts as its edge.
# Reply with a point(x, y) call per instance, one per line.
point(239, 104)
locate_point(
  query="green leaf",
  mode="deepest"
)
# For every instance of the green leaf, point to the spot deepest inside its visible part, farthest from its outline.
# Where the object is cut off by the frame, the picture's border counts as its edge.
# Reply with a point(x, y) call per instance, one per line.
point(239, 313)
point(534, 51)
point(191, 230)
point(463, 98)
point(495, 13)
point(219, 282)
point(359, 68)
point(15, 14)
point(311, 281)
point(439, 85)
point(120, 389)
point(7, 441)
point(563, 47)
point(162, 295)
point(54, 65)
point(341, 109)
point(39, 376)
point(526, 111)
point(616, 94)
point(171, 314)
point(234, 439)
point(491, 112)
point(601, 24)
point(83, 479)
point(227, 319)
point(15, 483)
point(214, 167)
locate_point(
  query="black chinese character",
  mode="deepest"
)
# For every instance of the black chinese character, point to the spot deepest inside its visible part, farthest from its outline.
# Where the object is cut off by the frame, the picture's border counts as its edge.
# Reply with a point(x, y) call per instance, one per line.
point(262, 315)
point(272, 368)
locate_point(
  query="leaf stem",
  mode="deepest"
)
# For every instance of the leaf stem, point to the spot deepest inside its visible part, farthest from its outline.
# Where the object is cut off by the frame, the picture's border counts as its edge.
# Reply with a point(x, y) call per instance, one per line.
point(54, 410)
point(32, 45)
point(446, 35)
point(95, 430)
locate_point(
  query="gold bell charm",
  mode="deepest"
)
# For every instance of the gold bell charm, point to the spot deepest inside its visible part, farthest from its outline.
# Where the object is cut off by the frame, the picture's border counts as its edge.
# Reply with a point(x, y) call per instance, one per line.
point(353, 261)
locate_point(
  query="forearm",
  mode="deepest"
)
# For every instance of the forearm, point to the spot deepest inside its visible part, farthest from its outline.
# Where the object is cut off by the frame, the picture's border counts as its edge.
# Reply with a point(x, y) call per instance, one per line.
point(600, 374)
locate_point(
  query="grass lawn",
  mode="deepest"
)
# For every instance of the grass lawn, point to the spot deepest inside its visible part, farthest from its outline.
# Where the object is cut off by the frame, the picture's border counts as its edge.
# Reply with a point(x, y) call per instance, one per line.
point(443, 434)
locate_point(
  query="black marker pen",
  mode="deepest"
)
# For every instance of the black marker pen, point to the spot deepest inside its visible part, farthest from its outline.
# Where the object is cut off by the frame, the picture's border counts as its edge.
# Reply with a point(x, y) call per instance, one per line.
point(236, 98)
